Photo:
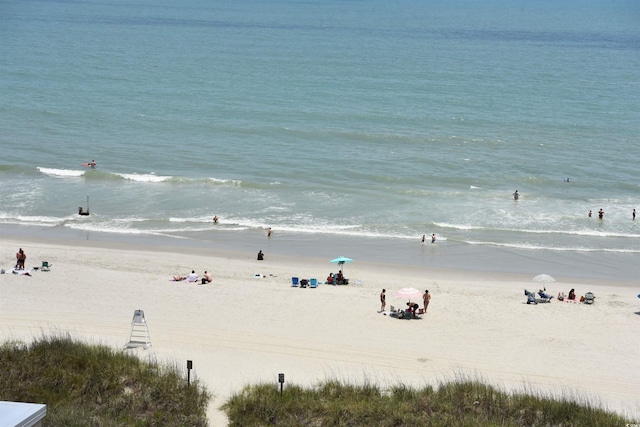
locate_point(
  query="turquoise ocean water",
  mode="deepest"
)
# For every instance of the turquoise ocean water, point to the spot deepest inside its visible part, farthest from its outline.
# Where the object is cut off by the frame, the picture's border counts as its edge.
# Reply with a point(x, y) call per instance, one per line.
point(349, 127)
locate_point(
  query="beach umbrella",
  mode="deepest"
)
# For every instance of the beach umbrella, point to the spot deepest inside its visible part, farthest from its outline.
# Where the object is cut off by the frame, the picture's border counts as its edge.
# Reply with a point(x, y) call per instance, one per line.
point(341, 260)
point(408, 294)
point(544, 278)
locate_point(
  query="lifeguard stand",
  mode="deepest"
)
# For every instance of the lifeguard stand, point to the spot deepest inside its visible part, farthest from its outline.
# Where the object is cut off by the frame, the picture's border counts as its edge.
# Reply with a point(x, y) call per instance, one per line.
point(139, 336)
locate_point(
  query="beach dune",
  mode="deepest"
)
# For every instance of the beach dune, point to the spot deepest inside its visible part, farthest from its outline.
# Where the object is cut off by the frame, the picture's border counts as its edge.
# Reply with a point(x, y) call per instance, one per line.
point(249, 324)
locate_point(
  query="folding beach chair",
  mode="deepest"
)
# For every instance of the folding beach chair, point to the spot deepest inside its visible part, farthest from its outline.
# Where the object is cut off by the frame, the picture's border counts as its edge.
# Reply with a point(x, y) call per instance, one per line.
point(45, 266)
point(589, 298)
point(313, 282)
point(294, 282)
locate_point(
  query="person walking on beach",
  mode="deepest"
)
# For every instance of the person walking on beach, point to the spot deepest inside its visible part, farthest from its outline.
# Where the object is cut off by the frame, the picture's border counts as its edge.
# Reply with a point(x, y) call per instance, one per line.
point(433, 239)
point(383, 300)
point(516, 195)
point(425, 299)
point(20, 259)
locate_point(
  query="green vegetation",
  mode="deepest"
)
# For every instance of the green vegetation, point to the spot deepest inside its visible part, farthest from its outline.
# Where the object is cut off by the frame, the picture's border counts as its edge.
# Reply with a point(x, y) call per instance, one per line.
point(88, 385)
point(460, 403)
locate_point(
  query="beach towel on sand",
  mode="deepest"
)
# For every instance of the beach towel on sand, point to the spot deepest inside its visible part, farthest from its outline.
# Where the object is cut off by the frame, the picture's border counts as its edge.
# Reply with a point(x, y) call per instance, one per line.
point(16, 271)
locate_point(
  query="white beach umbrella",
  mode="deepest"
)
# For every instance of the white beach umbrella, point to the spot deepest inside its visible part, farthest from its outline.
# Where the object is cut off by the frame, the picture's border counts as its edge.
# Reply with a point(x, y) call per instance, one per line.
point(544, 278)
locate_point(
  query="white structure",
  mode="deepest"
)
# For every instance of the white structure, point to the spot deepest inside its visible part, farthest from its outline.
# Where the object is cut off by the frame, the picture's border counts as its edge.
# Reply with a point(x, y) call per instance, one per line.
point(19, 414)
point(139, 335)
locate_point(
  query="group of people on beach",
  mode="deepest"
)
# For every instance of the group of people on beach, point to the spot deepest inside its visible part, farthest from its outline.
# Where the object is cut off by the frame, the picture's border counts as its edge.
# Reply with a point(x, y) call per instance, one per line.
point(571, 297)
point(193, 277)
point(337, 279)
point(546, 297)
point(412, 307)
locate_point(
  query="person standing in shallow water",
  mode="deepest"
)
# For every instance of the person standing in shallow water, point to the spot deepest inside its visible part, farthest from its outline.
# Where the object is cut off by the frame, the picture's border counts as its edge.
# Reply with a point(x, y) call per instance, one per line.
point(433, 238)
point(516, 195)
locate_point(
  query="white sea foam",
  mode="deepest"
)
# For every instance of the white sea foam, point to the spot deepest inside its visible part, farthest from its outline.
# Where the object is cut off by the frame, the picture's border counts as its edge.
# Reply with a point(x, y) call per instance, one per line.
point(143, 177)
point(236, 182)
point(529, 246)
point(62, 173)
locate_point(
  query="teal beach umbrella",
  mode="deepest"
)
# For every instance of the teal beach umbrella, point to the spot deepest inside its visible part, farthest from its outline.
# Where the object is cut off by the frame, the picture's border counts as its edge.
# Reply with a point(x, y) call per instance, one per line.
point(341, 260)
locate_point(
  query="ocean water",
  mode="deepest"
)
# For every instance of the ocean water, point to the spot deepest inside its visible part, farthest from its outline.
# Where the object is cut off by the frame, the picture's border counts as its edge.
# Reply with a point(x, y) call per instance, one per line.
point(367, 123)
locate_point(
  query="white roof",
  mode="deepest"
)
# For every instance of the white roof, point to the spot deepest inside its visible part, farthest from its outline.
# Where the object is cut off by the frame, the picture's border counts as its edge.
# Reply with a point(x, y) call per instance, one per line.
point(19, 414)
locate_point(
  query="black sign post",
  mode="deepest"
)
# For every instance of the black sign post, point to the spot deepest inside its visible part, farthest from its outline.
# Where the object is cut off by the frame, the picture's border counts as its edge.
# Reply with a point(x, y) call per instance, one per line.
point(189, 366)
point(281, 381)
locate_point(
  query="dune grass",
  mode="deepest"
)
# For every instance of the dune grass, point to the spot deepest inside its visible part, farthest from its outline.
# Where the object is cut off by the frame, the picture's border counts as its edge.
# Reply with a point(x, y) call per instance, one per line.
point(93, 385)
point(459, 403)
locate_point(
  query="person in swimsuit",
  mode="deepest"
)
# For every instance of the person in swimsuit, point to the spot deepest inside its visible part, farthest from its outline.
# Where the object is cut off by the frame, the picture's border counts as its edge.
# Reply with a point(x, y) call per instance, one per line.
point(21, 257)
point(383, 300)
point(516, 195)
point(600, 214)
point(433, 238)
point(425, 299)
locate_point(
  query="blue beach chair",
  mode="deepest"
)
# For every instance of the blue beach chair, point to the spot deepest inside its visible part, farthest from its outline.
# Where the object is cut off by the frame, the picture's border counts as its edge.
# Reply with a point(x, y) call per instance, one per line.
point(294, 282)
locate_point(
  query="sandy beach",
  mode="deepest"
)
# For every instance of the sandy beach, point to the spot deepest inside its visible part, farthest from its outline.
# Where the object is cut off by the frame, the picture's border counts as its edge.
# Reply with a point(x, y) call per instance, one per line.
point(249, 324)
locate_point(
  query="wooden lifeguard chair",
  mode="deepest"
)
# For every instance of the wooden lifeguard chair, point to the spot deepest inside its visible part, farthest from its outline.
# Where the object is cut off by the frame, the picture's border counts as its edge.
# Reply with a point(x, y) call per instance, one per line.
point(139, 335)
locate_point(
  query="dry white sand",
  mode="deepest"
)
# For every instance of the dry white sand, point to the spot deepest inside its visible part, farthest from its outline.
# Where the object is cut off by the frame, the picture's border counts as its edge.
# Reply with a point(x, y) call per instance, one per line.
point(242, 330)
